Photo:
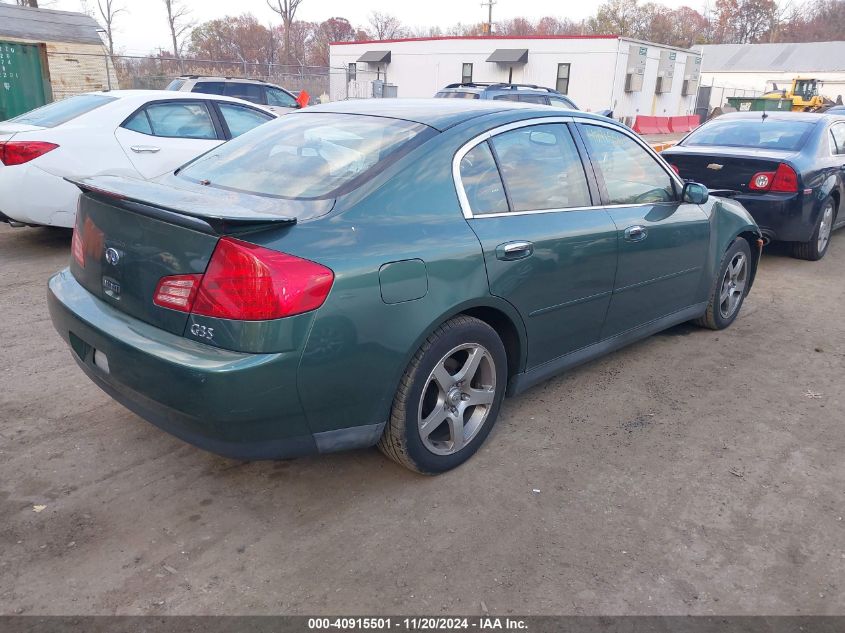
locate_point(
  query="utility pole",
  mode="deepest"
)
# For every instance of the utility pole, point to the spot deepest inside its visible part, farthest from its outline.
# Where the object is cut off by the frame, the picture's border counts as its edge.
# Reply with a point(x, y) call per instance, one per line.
point(488, 28)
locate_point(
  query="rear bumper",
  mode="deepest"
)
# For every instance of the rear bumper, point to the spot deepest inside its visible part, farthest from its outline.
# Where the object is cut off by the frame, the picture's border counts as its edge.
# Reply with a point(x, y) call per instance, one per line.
point(235, 404)
point(781, 217)
point(30, 195)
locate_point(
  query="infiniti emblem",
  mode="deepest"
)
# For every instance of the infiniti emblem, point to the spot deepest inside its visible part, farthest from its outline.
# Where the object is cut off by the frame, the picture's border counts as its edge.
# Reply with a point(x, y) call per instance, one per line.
point(112, 256)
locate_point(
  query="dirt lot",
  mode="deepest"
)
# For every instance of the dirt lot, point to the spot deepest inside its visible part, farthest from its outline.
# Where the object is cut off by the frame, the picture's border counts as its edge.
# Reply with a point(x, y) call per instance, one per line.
point(695, 472)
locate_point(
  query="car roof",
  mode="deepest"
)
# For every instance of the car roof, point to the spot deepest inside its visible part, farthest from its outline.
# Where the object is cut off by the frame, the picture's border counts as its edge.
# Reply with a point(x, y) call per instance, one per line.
point(168, 95)
point(440, 114)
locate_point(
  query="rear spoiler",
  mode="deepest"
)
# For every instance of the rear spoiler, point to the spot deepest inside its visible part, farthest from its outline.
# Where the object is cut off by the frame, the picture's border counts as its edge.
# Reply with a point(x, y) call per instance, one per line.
point(182, 212)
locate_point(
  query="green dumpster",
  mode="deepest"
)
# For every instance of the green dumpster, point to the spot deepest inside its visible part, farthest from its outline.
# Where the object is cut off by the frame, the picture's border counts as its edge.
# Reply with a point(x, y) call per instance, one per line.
point(21, 79)
point(758, 104)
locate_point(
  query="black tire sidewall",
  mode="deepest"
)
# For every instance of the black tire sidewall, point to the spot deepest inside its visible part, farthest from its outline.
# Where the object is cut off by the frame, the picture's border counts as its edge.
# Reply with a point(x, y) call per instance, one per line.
point(814, 244)
point(482, 334)
point(739, 245)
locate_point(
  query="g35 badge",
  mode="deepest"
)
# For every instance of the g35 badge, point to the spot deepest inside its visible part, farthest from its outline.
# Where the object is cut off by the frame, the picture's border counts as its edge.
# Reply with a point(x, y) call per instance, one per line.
point(201, 331)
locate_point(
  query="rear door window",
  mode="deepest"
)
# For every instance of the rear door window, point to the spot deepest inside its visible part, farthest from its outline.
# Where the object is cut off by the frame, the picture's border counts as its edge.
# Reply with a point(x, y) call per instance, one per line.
point(247, 92)
point(631, 175)
point(481, 181)
point(541, 168)
point(209, 87)
point(240, 119)
point(837, 139)
point(175, 120)
point(58, 112)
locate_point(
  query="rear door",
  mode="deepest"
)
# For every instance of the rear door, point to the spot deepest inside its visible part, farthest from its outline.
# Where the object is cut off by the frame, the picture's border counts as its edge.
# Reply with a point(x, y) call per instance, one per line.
point(663, 242)
point(548, 250)
point(164, 135)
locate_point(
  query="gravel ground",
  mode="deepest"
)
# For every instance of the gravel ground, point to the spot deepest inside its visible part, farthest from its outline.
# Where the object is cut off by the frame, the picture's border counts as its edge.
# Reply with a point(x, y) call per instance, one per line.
point(692, 473)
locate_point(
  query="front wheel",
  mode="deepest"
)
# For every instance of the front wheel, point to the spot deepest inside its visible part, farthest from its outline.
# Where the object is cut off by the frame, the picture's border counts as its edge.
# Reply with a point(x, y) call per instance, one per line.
point(729, 288)
point(448, 399)
point(816, 248)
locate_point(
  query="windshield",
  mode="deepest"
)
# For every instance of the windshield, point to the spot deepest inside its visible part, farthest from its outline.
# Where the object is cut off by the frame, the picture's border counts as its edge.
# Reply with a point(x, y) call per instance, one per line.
point(759, 133)
point(307, 155)
point(59, 112)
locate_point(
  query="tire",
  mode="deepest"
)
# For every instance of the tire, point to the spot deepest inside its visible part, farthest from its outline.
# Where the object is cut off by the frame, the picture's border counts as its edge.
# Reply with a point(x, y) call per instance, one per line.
point(729, 287)
point(460, 415)
point(816, 248)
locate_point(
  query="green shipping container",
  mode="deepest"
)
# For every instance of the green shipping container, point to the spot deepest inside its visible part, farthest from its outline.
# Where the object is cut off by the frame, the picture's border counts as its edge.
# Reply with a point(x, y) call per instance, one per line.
point(757, 104)
point(21, 79)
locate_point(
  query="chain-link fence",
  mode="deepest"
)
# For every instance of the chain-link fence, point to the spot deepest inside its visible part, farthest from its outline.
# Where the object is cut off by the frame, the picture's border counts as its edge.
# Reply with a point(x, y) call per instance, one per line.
point(74, 73)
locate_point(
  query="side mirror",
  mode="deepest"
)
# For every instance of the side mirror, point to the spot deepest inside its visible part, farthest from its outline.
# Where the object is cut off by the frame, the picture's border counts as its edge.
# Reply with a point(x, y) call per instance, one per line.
point(695, 193)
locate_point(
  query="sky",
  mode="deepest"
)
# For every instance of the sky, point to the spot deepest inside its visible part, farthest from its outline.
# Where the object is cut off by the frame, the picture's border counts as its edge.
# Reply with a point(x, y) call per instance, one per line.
point(144, 26)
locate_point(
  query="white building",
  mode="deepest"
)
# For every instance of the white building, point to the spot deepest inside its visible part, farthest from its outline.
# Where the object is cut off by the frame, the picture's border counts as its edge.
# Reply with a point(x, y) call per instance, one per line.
point(628, 76)
point(744, 69)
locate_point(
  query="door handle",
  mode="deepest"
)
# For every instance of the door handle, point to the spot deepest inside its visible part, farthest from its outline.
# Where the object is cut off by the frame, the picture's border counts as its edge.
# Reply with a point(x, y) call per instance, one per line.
point(636, 233)
point(510, 251)
point(145, 149)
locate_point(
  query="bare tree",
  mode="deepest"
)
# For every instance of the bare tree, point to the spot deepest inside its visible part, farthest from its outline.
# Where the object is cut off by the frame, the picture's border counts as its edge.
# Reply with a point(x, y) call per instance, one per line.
point(27, 3)
point(109, 10)
point(386, 26)
point(179, 23)
point(287, 10)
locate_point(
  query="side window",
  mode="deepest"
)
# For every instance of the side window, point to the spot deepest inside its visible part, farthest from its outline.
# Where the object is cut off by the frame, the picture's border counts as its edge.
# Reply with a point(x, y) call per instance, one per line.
point(542, 100)
point(631, 175)
point(481, 181)
point(837, 133)
point(506, 97)
point(541, 168)
point(562, 103)
point(181, 120)
point(241, 119)
point(276, 97)
point(248, 92)
point(209, 87)
point(139, 123)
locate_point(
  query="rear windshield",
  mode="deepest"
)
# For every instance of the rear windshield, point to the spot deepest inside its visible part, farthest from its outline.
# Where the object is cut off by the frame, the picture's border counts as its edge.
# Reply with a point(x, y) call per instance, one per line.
point(456, 94)
point(307, 155)
point(59, 112)
point(759, 133)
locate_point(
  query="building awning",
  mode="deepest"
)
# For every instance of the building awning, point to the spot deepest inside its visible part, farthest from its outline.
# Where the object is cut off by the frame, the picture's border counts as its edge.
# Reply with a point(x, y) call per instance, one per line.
point(375, 57)
point(509, 56)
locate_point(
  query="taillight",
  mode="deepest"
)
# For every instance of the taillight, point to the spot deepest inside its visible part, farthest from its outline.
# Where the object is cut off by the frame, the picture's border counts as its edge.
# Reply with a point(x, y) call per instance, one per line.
point(77, 248)
point(177, 292)
point(246, 282)
point(675, 169)
point(784, 180)
point(20, 152)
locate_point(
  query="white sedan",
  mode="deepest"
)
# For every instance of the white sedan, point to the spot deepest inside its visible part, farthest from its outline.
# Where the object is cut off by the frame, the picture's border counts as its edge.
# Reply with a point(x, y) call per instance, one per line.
point(135, 133)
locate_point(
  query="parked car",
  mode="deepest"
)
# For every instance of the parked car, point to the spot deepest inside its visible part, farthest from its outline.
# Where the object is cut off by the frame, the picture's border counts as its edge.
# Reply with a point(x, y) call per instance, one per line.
point(270, 96)
point(785, 168)
point(135, 133)
point(837, 109)
point(384, 271)
point(523, 93)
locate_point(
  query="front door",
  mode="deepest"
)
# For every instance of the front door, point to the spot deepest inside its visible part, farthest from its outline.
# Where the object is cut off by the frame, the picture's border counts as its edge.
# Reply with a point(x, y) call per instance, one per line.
point(662, 241)
point(548, 250)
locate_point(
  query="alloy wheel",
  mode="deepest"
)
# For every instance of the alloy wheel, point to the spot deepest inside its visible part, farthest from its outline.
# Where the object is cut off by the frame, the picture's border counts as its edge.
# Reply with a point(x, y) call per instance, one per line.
point(733, 285)
point(457, 398)
point(825, 227)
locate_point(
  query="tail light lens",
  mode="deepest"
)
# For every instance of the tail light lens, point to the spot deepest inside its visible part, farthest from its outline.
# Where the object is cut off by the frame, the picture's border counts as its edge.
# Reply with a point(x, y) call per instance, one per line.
point(77, 248)
point(675, 169)
point(20, 152)
point(784, 180)
point(177, 292)
point(246, 282)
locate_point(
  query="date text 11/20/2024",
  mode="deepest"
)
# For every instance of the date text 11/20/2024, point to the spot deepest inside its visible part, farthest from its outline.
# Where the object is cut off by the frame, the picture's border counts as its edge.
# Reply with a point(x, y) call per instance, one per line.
point(484, 623)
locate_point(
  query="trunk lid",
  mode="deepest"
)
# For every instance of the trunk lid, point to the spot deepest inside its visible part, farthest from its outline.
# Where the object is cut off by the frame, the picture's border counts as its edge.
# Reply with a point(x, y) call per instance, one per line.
point(719, 169)
point(135, 232)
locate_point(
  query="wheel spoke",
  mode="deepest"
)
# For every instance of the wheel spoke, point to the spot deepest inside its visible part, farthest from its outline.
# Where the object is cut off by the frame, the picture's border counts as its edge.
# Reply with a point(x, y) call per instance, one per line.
point(484, 395)
point(434, 420)
point(456, 430)
point(726, 292)
point(443, 378)
point(467, 372)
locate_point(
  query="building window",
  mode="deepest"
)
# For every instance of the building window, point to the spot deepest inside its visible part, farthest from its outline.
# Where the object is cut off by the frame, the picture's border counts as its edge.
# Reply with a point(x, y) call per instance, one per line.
point(562, 84)
point(352, 72)
point(466, 74)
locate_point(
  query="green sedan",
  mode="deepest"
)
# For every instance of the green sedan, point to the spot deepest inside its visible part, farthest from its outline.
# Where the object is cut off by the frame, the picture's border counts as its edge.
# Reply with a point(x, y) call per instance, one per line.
point(384, 272)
